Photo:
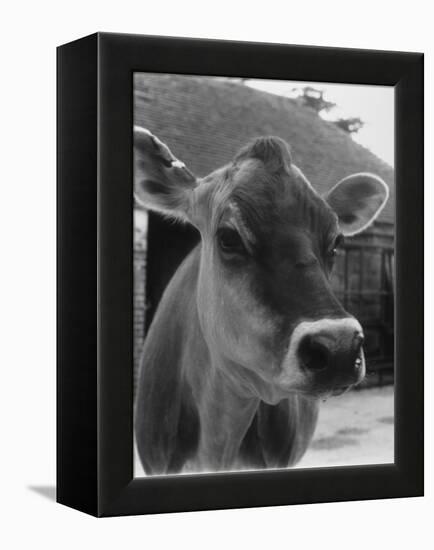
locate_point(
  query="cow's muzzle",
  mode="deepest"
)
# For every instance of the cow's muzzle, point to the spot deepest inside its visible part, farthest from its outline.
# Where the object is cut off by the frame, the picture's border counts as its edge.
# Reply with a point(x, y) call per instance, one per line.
point(329, 353)
point(337, 357)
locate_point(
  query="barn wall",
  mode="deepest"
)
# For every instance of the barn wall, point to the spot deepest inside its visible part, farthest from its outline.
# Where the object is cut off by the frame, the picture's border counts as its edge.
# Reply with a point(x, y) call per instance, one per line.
point(366, 289)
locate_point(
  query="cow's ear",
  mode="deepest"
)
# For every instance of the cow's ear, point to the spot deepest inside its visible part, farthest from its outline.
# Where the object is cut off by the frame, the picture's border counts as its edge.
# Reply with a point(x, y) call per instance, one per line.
point(357, 200)
point(161, 181)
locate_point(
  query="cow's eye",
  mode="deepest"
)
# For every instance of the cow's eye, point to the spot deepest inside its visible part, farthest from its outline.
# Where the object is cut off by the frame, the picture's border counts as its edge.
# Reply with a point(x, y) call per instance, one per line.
point(338, 242)
point(230, 241)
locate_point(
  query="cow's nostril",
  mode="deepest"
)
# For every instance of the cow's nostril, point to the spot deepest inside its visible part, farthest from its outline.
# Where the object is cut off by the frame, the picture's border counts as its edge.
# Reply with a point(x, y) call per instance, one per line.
point(314, 354)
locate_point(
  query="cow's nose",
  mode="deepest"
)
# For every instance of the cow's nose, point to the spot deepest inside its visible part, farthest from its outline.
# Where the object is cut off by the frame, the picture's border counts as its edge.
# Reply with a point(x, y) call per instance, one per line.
point(333, 355)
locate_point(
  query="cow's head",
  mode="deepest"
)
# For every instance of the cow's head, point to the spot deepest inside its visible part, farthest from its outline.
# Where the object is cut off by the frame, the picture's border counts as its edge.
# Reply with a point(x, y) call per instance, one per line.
point(269, 240)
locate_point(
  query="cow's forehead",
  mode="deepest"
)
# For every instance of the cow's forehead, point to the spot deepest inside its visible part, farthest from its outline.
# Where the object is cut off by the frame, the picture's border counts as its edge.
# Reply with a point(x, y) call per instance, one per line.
point(265, 193)
point(266, 202)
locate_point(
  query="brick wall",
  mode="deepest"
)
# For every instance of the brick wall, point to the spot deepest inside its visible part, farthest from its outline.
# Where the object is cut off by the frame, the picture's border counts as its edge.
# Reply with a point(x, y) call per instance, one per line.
point(139, 306)
point(139, 285)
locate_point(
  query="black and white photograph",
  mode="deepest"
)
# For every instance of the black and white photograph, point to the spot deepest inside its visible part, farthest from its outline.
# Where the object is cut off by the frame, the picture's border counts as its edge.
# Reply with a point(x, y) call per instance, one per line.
point(264, 274)
point(216, 275)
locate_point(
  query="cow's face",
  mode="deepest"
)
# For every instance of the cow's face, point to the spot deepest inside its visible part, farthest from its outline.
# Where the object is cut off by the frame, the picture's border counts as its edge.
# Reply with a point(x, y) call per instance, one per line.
point(264, 300)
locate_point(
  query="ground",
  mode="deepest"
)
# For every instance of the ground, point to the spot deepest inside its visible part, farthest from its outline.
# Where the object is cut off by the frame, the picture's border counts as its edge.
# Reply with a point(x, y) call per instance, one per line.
point(355, 428)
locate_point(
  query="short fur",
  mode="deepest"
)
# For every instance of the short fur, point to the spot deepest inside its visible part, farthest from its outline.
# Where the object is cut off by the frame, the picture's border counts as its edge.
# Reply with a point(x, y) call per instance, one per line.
point(222, 385)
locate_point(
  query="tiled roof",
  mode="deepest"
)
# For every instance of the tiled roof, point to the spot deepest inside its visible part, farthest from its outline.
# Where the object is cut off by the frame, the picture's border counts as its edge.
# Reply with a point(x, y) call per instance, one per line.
point(205, 121)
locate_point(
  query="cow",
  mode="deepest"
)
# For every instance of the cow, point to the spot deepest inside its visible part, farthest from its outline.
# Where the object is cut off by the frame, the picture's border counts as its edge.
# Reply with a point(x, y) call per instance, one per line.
point(248, 336)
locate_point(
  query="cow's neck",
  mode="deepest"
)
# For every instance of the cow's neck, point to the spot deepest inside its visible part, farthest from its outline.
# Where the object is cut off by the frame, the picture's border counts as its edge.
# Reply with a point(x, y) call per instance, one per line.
point(225, 417)
point(225, 413)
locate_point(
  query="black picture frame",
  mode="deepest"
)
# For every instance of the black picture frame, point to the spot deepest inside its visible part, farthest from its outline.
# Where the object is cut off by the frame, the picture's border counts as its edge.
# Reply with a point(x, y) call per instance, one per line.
point(95, 275)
